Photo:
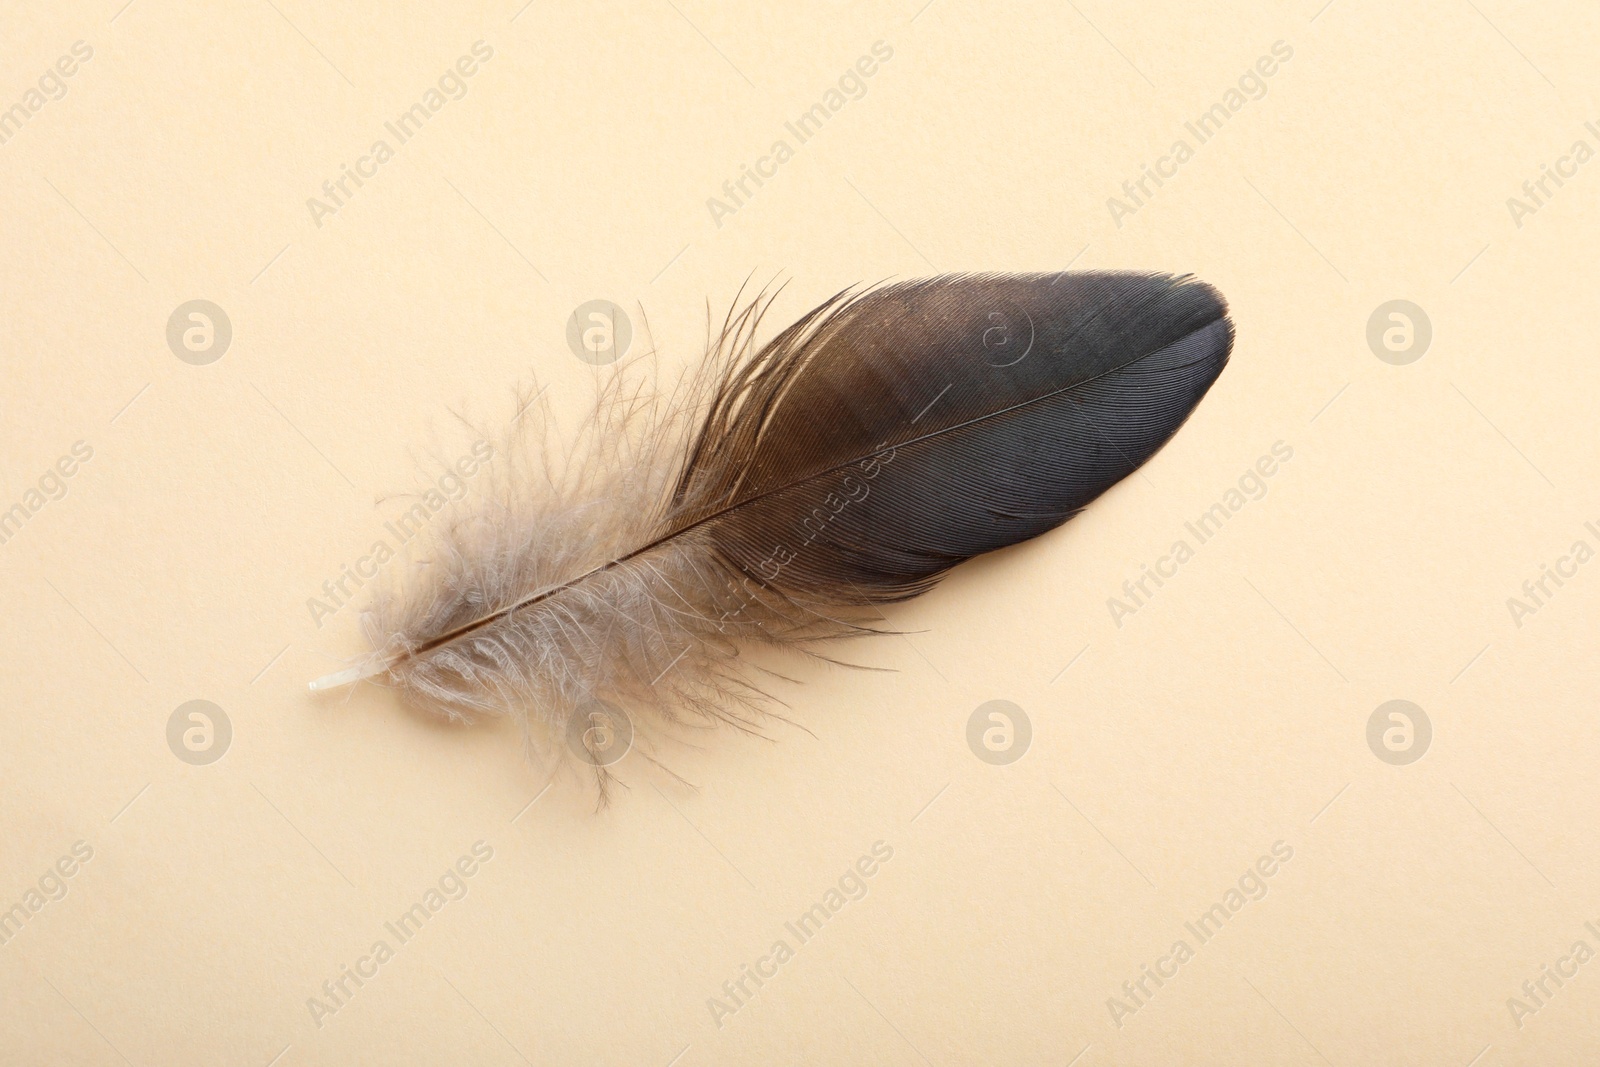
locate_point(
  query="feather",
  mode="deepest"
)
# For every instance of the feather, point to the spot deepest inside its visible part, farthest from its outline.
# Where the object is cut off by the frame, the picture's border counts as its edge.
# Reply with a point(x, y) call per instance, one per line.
point(885, 437)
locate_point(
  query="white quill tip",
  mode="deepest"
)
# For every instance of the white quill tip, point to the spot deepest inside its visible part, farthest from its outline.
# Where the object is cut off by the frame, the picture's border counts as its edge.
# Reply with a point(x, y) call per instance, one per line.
point(346, 677)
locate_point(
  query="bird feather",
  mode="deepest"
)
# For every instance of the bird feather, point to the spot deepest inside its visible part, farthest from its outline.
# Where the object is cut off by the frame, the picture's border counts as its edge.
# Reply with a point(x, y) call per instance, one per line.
point(883, 438)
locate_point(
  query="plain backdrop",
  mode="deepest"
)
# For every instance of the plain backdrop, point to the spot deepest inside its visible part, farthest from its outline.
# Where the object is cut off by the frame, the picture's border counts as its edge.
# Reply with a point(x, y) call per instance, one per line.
point(1436, 862)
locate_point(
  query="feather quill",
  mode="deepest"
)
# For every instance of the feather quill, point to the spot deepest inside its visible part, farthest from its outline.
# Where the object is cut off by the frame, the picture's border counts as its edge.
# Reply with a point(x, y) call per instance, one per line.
point(888, 435)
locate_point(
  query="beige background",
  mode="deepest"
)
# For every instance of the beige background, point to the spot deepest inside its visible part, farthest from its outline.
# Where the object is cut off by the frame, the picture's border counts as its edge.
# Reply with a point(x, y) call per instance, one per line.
point(1168, 753)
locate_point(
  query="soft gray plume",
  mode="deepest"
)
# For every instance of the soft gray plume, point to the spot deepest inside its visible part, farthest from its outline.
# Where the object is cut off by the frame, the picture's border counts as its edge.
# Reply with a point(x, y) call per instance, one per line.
point(882, 439)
